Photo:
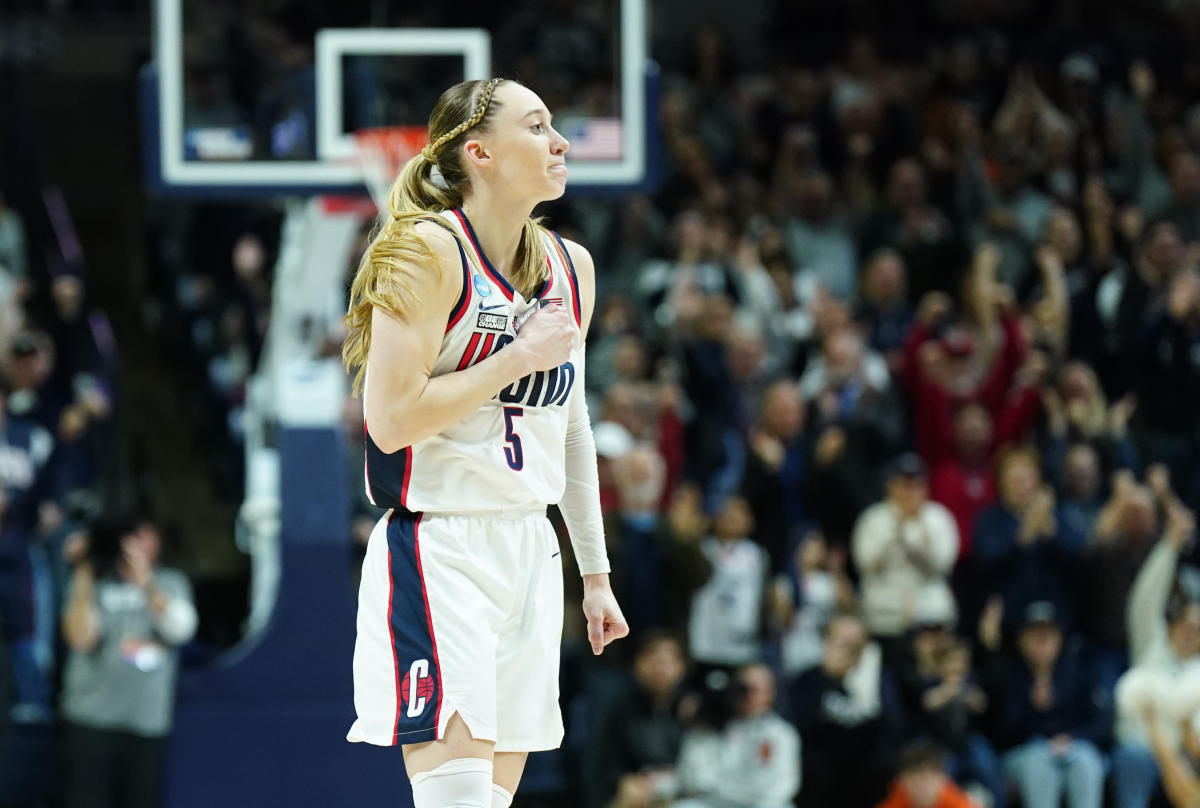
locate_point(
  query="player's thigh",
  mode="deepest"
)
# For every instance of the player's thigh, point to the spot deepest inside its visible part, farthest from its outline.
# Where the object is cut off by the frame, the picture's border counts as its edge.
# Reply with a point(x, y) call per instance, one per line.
point(527, 663)
point(455, 743)
point(507, 768)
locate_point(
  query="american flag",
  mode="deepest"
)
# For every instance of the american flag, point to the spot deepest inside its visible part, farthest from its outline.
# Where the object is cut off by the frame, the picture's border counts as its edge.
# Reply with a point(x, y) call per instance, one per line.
point(594, 139)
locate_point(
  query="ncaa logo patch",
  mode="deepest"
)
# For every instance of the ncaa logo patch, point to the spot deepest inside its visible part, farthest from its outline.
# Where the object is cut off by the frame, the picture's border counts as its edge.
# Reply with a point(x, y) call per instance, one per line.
point(481, 285)
point(416, 689)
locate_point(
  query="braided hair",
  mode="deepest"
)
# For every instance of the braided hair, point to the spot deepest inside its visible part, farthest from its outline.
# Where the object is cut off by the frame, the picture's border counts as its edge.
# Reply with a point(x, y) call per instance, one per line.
point(384, 276)
point(481, 109)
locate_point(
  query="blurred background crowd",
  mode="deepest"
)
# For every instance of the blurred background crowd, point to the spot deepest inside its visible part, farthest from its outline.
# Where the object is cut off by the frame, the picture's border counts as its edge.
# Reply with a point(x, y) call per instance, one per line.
point(894, 379)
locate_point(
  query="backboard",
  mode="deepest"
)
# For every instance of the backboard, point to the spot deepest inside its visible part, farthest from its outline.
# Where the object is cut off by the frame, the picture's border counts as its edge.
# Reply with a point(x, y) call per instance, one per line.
point(241, 103)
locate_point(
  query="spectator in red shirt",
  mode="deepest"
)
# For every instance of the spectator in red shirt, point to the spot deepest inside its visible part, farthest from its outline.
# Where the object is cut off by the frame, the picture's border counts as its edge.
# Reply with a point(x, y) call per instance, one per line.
point(981, 358)
point(965, 481)
point(922, 782)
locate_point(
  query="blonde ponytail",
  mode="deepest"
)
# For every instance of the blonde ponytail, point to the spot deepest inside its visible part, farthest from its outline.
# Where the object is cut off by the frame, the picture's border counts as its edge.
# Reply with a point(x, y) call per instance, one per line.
point(416, 191)
point(532, 269)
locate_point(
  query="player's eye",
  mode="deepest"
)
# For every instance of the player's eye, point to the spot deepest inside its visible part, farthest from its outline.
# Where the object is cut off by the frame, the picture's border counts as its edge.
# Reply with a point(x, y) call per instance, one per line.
point(539, 128)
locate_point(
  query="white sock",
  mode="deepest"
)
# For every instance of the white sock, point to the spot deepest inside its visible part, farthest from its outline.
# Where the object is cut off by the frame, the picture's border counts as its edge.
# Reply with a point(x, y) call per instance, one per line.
point(500, 796)
point(458, 783)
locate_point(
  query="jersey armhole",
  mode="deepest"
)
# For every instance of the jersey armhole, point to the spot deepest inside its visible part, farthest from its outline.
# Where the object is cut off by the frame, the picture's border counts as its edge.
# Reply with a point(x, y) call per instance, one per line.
point(464, 295)
point(576, 306)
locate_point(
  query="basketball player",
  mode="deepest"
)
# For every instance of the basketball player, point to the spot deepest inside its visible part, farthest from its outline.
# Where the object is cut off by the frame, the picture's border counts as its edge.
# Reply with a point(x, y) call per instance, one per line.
point(466, 328)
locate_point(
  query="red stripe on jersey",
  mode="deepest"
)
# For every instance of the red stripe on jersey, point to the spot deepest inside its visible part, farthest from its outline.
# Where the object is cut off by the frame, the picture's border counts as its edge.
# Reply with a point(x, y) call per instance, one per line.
point(575, 298)
point(437, 714)
point(408, 453)
point(485, 351)
point(576, 304)
point(392, 639)
point(469, 353)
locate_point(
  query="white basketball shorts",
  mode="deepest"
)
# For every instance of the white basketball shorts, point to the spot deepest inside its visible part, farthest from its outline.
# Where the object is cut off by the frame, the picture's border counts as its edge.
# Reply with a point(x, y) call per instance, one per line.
point(460, 614)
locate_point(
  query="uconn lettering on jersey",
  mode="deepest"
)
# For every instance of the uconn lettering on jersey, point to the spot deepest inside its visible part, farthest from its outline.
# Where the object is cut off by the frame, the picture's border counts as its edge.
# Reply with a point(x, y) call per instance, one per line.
point(545, 388)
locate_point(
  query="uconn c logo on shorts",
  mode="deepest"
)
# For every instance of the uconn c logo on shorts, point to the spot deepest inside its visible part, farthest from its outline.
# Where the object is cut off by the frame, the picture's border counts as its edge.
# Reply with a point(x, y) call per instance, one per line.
point(416, 689)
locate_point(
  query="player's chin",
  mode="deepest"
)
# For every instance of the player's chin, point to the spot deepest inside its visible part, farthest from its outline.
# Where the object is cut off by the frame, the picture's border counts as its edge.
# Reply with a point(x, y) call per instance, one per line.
point(557, 186)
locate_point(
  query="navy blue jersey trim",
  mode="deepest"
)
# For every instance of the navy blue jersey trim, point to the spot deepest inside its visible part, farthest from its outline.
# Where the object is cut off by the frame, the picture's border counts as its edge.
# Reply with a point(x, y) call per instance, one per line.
point(496, 277)
point(576, 304)
point(464, 297)
point(414, 645)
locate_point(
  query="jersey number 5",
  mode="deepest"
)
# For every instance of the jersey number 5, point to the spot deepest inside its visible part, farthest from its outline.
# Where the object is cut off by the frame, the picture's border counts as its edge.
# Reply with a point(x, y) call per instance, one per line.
point(512, 452)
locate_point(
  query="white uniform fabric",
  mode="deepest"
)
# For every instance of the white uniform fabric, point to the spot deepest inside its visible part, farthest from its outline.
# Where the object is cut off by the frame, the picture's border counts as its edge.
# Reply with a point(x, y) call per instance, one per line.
point(460, 613)
point(509, 454)
point(461, 600)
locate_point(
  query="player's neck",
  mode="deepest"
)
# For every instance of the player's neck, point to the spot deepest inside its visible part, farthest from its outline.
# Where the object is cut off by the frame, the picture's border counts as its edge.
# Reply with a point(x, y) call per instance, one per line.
point(498, 225)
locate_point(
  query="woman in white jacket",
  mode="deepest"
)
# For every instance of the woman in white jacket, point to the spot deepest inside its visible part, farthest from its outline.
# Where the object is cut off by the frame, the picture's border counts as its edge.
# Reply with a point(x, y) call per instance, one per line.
point(904, 548)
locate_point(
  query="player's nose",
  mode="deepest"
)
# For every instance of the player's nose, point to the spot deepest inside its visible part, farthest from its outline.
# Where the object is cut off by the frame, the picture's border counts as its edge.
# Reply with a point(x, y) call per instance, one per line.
point(559, 144)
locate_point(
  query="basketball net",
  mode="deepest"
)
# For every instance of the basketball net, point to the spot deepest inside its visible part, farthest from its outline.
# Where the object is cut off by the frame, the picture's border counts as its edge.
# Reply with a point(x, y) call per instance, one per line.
point(381, 152)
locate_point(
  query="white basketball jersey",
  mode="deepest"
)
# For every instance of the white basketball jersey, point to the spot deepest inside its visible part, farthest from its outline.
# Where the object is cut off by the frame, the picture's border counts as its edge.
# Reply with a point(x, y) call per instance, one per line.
point(510, 453)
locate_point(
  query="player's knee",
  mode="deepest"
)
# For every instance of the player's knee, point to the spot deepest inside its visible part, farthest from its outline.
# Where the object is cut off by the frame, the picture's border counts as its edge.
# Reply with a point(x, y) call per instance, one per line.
point(458, 783)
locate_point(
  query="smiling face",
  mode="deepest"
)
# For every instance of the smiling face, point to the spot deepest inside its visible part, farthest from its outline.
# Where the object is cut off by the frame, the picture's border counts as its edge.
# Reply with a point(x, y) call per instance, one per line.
point(520, 152)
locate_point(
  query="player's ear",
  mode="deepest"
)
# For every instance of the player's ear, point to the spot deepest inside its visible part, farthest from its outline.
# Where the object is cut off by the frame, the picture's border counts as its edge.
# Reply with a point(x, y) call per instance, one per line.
point(477, 153)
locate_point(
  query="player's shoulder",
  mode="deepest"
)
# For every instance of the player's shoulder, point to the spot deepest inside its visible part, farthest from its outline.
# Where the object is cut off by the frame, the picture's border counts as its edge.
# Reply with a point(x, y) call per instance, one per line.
point(437, 233)
point(583, 267)
point(585, 275)
point(581, 259)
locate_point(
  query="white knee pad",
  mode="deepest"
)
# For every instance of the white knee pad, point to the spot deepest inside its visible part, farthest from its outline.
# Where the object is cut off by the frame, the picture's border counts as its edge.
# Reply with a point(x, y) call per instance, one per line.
point(500, 796)
point(458, 783)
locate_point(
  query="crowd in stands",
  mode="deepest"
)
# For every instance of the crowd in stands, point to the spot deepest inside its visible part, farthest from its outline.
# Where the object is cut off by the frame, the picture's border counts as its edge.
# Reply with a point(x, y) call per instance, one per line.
point(89, 621)
point(57, 386)
point(211, 307)
point(895, 383)
point(894, 379)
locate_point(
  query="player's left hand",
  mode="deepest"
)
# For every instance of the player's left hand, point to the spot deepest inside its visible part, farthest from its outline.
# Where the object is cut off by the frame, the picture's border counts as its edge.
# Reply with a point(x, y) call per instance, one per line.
point(605, 622)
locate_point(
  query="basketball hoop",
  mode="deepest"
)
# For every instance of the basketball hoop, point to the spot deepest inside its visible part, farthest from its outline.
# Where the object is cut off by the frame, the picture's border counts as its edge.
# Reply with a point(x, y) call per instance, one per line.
point(381, 151)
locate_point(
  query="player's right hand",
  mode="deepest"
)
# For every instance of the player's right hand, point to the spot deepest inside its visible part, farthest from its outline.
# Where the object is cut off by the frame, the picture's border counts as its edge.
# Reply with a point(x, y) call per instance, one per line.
point(547, 337)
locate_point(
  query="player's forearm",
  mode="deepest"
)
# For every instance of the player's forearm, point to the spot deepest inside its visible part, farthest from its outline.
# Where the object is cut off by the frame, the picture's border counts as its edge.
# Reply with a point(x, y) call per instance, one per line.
point(580, 503)
point(445, 400)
